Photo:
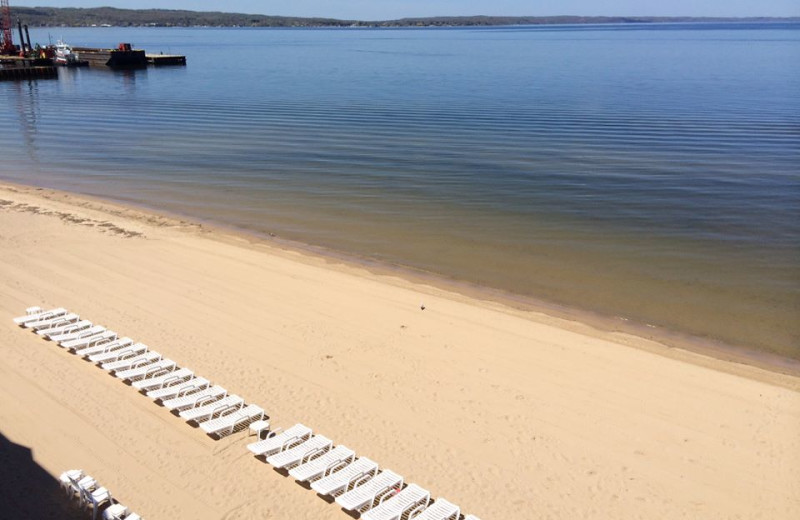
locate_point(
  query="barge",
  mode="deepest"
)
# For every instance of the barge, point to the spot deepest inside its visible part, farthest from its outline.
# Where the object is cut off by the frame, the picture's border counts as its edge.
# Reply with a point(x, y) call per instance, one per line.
point(123, 57)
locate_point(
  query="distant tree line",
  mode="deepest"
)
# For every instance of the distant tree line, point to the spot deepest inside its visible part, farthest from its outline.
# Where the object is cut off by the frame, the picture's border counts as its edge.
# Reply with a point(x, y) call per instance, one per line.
point(99, 16)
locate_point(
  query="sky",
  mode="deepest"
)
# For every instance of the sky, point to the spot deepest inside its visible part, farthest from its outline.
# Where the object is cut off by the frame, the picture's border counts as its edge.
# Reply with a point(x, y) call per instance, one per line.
point(392, 9)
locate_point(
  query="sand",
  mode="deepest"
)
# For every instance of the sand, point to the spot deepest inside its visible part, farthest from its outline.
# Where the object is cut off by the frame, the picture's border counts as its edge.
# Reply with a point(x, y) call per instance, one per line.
point(508, 413)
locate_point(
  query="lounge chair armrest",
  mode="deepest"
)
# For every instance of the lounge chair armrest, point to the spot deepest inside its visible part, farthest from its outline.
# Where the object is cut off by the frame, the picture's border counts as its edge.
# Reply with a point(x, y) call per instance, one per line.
point(385, 494)
point(288, 442)
point(139, 364)
point(358, 480)
point(333, 465)
point(183, 391)
point(126, 354)
point(162, 371)
point(236, 420)
point(417, 511)
point(202, 399)
point(166, 382)
point(225, 408)
point(310, 454)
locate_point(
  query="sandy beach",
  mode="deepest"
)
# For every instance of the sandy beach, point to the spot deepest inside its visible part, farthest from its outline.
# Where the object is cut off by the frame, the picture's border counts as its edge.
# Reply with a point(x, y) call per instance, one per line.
point(507, 413)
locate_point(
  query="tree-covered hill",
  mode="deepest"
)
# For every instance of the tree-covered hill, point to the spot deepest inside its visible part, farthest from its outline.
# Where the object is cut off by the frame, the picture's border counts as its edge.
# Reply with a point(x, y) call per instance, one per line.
point(86, 17)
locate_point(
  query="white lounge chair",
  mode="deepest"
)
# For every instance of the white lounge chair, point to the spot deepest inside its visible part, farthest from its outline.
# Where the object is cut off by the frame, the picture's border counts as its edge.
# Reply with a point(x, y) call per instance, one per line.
point(100, 347)
point(174, 384)
point(68, 477)
point(115, 512)
point(96, 498)
point(81, 334)
point(471, 517)
point(322, 465)
point(137, 349)
point(440, 509)
point(50, 320)
point(226, 424)
point(393, 507)
point(125, 364)
point(30, 313)
point(65, 330)
point(99, 338)
point(77, 486)
point(206, 412)
point(189, 398)
point(302, 452)
point(339, 481)
point(135, 373)
point(278, 442)
point(33, 317)
point(363, 496)
point(80, 329)
point(165, 380)
point(53, 324)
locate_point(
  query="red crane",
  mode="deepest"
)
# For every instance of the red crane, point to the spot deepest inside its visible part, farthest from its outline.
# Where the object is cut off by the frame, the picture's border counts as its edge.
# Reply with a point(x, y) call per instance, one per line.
point(8, 44)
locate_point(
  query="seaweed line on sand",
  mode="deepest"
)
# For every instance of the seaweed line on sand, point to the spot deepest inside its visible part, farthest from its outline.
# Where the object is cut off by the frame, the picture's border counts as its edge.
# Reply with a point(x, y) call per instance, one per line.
point(70, 218)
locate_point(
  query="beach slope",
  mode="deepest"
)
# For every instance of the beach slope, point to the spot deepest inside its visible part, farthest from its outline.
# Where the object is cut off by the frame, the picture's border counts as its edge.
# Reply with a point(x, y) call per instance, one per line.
point(509, 414)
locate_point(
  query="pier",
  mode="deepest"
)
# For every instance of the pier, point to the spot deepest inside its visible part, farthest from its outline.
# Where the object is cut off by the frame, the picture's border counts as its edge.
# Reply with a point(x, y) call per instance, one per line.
point(16, 68)
point(124, 57)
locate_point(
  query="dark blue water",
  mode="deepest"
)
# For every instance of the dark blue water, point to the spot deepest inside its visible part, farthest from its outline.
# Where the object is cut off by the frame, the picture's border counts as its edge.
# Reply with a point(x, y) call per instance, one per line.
point(649, 171)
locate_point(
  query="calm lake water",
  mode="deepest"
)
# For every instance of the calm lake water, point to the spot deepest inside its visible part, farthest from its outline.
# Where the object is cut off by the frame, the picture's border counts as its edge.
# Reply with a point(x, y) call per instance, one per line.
point(646, 172)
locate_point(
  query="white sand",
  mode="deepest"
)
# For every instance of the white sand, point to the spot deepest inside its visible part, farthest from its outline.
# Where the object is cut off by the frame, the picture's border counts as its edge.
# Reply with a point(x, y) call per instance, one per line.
point(508, 414)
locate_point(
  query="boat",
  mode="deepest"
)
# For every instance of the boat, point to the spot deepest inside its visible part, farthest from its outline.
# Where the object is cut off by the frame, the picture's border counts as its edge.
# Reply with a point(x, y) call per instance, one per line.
point(66, 57)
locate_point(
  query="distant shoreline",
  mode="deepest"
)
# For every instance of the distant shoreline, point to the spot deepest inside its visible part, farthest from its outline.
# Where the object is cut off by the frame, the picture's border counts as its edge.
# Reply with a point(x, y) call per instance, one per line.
point(112, 17)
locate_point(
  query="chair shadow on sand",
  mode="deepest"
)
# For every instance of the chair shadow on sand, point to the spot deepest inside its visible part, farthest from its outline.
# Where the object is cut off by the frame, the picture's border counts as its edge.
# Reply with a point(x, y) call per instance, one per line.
point(28, 491)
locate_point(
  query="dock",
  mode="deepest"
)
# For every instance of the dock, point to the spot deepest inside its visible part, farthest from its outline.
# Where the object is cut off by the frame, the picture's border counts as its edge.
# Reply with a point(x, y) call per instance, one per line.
point(16, 68)
point(165, 59)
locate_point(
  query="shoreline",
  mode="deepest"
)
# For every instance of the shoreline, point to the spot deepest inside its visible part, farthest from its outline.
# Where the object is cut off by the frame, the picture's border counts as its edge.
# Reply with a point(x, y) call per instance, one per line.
point(669, 343)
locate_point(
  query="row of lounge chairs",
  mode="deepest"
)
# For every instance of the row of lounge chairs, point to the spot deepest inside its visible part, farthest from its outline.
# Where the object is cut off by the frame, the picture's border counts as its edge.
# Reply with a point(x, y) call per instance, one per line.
point(194, 398)
point(356, 483)
point(89, 494)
